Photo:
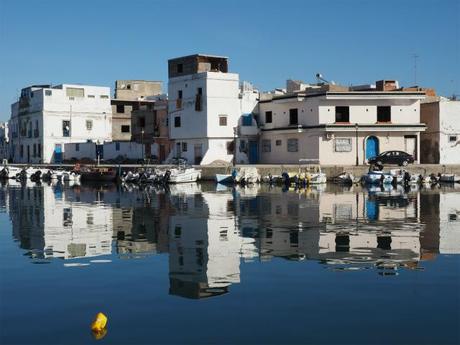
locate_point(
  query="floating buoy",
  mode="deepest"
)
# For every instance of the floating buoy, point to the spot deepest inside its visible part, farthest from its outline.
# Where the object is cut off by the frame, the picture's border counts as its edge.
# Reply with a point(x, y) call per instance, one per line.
point(99, 323)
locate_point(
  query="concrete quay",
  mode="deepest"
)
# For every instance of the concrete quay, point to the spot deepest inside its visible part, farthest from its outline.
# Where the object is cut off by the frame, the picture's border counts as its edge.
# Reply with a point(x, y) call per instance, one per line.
point(208, 172)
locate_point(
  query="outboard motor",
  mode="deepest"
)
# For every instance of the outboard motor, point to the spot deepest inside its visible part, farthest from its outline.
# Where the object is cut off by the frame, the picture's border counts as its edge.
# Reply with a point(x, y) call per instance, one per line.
point(285, 178)
point(36, 176)
point(166, 176)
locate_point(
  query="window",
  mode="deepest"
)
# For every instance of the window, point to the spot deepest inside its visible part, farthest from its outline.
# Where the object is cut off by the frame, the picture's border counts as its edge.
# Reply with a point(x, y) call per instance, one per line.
point(75, 92)
point(67, 217)
point(117, 146)
point(200, 91)
point(383, 114)
point(278, 142)
point(77, 147)
point(125, 129)
point(452, 138)
point(91, 96)
point(21, 151)
point(268, 117)
point(293, 117)
point(180, 68)
point(34, 154)
point(184, 147)
point(266, 146)
point(342, 114)
point(48, 92)
point(230, 147)
point(141, 122)
point(89, 125)
point(39, 150)
point(177, 121)
point(136, 106)
point(292, 145)
point(343, 145)
point(222, 120)
point(104, 96)
point(179, 94)
point(66, 128)
point(120, 108)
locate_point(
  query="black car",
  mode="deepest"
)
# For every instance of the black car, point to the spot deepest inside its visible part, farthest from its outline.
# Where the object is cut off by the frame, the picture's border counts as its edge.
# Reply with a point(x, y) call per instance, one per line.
point(400, 158)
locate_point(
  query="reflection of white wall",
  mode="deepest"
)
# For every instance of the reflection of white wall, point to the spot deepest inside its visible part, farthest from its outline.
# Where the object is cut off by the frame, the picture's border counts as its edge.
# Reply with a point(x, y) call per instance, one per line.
point(75, 229)
point(449, 227)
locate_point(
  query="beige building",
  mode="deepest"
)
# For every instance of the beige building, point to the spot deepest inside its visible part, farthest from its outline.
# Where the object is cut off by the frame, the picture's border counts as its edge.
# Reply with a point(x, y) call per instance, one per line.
point(130, 96)
point(441, 141)
point(339, 125)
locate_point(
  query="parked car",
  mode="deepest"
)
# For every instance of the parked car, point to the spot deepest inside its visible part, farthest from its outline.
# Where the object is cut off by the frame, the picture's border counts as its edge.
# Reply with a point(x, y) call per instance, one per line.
point(400, 158)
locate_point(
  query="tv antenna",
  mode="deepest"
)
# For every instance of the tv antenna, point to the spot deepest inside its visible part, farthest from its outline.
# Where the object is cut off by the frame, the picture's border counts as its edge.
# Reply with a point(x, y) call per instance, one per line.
point(415, 57)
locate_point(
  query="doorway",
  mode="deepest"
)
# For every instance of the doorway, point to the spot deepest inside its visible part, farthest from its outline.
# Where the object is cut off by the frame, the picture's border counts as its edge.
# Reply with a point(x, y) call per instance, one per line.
point(253, 152)
point(372, 147)
point(410, 142)
point(58, 153)
point(198, 153)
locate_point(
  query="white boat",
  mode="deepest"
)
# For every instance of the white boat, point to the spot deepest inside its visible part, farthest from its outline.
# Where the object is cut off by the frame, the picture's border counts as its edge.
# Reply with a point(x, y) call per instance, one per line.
point(312, 173)
point(10, 171)
point(57, 174)
point(452, 178)
point(376, 177)
point(181, 175)
point(344, 178)
point(247, 175)
point(71, 176)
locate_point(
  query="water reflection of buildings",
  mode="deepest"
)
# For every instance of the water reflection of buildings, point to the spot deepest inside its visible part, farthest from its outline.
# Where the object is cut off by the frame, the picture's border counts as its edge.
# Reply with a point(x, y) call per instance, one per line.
point(205, 245)
point(207, 232)
point(380, 228)
point(48, 225)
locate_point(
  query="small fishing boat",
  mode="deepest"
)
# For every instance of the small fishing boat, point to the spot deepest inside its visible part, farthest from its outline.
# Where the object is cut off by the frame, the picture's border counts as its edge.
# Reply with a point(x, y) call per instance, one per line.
point(182, 175)
point(98, 174)
point(71, 176)
point(450, 178)
point(10, 171)
point(312, 173)
point(377, 177)
point(344, 178)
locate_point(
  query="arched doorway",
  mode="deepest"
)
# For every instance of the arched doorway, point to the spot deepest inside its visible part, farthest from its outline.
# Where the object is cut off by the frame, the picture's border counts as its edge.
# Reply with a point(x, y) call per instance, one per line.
point(372, 147)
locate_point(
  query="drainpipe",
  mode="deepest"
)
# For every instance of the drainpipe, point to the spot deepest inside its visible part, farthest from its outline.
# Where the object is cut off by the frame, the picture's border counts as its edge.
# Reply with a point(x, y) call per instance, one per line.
point(356, 139)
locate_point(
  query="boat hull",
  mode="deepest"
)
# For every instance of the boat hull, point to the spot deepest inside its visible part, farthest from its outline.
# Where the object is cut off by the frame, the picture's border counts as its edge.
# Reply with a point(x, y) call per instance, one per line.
point(224, 178)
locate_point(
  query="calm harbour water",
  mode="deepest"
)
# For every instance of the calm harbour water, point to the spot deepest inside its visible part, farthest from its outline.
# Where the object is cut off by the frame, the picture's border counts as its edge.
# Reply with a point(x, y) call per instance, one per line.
point(204, 264)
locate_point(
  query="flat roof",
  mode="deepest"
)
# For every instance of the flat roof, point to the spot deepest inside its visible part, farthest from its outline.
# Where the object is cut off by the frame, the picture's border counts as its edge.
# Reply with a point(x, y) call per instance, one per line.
point(203, 55)
point(343, 93)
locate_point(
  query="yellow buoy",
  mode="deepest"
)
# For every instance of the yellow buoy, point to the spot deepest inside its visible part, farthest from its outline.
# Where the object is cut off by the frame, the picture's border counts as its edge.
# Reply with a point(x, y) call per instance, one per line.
point(99, 323)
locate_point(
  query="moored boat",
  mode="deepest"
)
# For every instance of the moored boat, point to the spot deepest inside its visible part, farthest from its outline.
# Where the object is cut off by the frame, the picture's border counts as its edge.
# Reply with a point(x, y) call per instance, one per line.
point(181, 175)
point(377, 177)
point(451, 178)
point(224, 178)
point(98, 174)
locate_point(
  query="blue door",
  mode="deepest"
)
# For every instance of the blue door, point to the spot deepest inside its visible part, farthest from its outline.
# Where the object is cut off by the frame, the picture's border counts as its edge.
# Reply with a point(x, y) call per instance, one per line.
point(372, 147)
point(253, 152)
point(372, 210)
point(58, 153)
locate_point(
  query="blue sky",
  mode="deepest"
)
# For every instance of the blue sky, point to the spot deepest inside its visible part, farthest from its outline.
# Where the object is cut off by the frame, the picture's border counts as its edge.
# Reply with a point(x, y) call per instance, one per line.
point(350, 42)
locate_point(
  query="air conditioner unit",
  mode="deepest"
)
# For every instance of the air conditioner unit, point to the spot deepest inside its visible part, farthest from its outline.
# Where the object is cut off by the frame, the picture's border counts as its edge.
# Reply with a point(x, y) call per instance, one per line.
point(330, 136)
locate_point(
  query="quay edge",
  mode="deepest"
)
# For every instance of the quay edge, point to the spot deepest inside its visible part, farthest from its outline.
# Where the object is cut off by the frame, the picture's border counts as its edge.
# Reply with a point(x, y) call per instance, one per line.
point(208, 172)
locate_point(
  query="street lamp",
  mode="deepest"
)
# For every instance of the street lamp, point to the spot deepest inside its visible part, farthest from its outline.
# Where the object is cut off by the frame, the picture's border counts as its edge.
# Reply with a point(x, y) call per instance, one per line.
point(356, 139)
point(142, 141)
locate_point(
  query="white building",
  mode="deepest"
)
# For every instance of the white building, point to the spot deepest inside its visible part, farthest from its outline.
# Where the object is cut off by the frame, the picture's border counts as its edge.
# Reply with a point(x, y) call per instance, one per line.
point(336, 125)
point(204, 108)
point(441, 141)
point(45, 118)
point(4, 141)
